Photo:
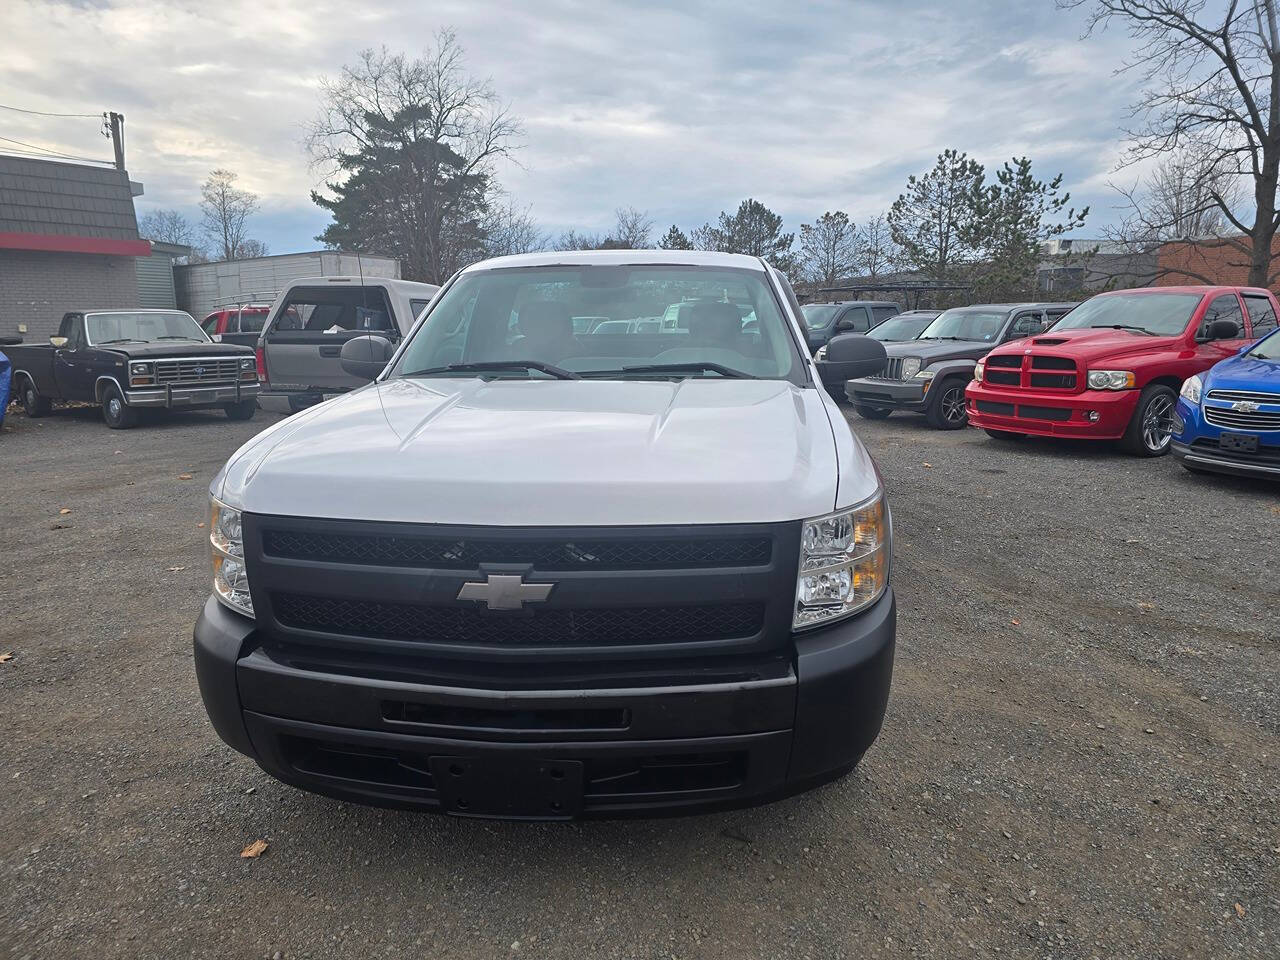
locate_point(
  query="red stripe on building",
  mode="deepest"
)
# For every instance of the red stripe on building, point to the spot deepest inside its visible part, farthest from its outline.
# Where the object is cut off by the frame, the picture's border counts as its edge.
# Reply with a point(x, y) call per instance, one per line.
point(56, 243)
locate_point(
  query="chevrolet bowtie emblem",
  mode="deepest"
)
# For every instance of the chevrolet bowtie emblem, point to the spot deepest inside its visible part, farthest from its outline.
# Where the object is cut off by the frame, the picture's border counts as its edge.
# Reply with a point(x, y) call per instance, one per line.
point(505, 592)
point(1245, 406)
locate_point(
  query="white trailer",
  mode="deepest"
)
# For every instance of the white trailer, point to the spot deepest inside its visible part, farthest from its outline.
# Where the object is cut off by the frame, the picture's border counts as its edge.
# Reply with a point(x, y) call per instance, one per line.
point(204, 287)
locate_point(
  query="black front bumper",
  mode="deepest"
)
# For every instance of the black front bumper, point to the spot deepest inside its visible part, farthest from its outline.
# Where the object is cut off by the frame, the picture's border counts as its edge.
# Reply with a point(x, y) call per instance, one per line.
point(887, 394)
point(372, 735)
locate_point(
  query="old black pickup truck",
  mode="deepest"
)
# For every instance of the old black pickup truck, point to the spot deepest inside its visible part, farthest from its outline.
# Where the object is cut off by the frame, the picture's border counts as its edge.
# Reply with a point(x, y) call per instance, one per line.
point(127, 360)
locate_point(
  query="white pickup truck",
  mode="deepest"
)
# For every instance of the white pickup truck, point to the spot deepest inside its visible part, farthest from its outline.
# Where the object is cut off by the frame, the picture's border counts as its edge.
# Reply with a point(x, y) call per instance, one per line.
point(535, 573)
point(300, 345)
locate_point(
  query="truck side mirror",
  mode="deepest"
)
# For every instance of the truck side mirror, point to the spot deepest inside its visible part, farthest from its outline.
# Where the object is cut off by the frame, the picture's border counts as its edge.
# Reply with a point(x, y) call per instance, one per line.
point(58, 342)
point(1222, 330)
point(365, 357)
point(852, 355)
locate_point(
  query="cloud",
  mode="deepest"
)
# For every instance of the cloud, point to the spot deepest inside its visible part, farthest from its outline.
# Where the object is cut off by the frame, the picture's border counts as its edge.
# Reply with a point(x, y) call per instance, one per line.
point(678, 108)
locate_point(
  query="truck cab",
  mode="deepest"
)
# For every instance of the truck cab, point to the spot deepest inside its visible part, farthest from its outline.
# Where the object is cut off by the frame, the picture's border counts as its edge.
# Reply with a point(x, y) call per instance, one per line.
point(300, 347)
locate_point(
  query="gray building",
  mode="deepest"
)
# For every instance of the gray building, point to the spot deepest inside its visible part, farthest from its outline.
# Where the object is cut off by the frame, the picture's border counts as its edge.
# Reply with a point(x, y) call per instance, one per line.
point(68, 240)
point(204, 287)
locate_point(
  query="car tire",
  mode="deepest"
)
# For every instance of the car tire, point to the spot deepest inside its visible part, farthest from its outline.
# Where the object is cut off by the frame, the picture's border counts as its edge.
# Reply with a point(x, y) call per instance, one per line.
point(118, 414)
point(34, 404)
point(1150, 430)
point(946, 410)
point(1005, 435)
point(244, 410)
point(872, 413)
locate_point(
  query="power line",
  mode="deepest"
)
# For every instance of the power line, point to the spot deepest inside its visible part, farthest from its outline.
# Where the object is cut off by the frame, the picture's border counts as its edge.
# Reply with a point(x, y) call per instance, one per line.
point(42, 113)
point(53, 153)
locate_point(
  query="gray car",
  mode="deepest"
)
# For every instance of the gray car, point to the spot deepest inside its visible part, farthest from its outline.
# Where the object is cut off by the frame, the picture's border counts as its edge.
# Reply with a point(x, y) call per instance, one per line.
point(928, 375)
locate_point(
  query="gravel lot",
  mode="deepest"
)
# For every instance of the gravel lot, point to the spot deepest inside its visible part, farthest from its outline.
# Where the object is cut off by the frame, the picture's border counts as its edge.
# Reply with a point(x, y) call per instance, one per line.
point(1081, 757)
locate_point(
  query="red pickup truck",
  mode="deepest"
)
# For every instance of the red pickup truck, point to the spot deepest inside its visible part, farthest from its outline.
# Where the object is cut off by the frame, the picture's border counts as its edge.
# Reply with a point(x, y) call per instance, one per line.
point(1111, 369)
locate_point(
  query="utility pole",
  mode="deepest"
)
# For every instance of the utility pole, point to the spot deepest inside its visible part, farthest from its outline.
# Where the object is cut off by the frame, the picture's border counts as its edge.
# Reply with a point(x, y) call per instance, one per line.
point(116, 120)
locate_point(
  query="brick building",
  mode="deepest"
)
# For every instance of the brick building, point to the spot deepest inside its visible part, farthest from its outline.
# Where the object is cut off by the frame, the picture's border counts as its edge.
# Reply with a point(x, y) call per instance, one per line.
point(1207, 261)
point(68, 240)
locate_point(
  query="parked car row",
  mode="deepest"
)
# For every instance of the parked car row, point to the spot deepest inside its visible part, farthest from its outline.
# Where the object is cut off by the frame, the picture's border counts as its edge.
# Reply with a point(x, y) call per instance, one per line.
point(1190, 369)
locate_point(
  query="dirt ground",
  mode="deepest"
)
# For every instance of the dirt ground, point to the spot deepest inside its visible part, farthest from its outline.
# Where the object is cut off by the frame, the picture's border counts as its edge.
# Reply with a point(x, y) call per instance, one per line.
point(1081, 757)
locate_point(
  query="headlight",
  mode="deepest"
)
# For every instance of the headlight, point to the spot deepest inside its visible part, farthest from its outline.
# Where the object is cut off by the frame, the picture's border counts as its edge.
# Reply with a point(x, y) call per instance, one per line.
point(246, 363)
point(910, 367)
point(1191, 388)
point(979, 369)
point(230, 578)
point(844, 563)
point(925, 375)
point(1110, 379)
point(140, 374)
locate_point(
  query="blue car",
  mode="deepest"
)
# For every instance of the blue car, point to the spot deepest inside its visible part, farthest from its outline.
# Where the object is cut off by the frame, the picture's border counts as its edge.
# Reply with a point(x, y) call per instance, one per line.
point(1228, 418)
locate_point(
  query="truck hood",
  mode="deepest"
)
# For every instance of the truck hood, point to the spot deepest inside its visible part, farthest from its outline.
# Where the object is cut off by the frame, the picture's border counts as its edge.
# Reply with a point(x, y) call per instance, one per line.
point(1243, 372)
point(540, 453)
point(1093, 345)
point(932, 351)
point(177, 348)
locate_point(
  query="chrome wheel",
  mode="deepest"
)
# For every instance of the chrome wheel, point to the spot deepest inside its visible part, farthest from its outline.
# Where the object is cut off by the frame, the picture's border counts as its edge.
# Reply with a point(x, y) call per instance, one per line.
point(113, 408)
point(1157, 422)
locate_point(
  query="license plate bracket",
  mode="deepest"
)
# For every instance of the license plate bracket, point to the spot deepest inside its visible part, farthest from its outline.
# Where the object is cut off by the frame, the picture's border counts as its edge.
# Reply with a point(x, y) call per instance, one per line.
point(509, 787)
point(1238, 442)
point(201, 396)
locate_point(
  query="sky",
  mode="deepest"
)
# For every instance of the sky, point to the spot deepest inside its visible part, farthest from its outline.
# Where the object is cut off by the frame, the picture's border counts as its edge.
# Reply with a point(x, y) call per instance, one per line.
point(681, 109)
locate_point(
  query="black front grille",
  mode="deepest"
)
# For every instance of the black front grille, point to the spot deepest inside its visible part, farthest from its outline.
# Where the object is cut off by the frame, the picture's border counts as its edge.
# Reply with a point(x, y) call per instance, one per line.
point(1052, 363)
point(467, 553)
point(1008, 378)
point(1054, 381)
point(1004, 360)
point(545, 626)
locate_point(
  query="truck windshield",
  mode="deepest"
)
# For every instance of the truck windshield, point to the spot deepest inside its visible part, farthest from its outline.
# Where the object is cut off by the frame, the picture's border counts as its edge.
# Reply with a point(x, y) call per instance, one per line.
point(503, 317)
point(1268, 348)
point(1163, 314)
point(818, 315)
point(144, 327)
point(899, 328)
point(966, 323)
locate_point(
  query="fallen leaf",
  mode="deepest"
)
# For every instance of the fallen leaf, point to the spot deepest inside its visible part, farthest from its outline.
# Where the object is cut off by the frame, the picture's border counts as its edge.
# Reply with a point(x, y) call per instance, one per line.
point(1240, 910)
point(64, 511)
point(1016, 623)
point(930, 465)
point(184, 476)
point(176, 569)
point(200, 525)
point(119, 451)
point(5, 657)
point(254, 850)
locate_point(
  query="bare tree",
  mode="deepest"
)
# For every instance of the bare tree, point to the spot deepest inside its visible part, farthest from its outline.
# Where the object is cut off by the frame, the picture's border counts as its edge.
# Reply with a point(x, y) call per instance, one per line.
point(1177, 200)
point(1212, 75)
point(508, 231)
point(632, 229)
point(828, 248)
point(225, 211)
point(410, 146)
point(573, 240)
point(876, 252)
point(167, 226)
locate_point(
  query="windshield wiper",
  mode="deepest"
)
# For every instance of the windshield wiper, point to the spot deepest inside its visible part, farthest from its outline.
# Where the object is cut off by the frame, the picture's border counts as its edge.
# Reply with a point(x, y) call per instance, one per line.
point(549, 369)
point(944, 338)
point(1120, 326)
point(123, 340)
point(180, 337)
point(675, 368)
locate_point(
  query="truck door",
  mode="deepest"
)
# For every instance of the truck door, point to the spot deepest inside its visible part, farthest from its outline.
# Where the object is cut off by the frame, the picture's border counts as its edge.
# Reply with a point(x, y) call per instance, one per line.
point(303, 342)
point(73, 373)
point(1223, 307)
